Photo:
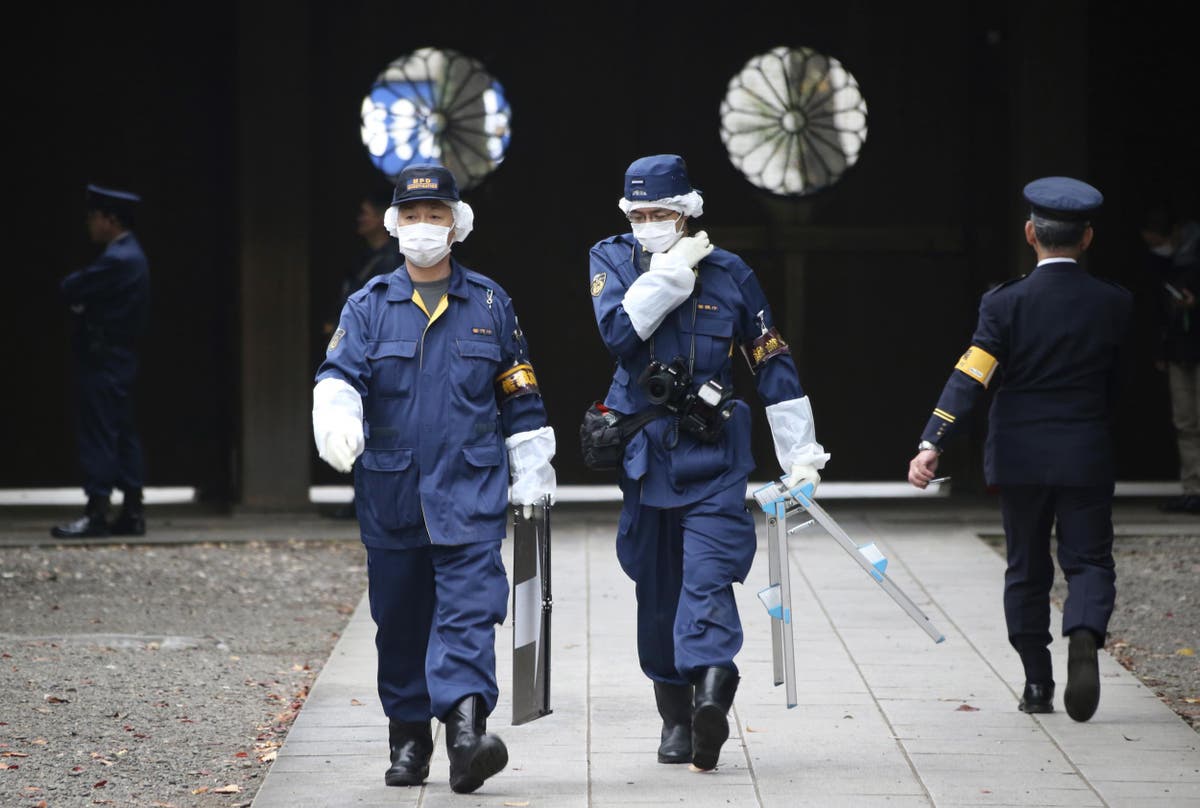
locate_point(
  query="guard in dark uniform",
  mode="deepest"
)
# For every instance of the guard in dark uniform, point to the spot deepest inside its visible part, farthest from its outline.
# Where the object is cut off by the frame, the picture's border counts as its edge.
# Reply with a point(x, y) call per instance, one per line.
point(1049, 341)
point(109, 302)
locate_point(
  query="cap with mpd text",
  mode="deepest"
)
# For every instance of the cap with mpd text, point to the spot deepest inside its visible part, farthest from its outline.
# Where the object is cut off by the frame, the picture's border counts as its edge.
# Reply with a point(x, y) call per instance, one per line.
point(656, 177)
point(425, 182)
point(1063, 198)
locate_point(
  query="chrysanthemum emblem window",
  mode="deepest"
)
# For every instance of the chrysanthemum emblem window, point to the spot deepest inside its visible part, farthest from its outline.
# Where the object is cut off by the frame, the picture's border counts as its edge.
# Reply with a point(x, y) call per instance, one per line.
point(793, 121)
point(437, 105)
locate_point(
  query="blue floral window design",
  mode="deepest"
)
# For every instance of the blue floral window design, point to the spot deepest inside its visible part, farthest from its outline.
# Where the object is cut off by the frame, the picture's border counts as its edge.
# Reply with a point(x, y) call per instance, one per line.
point(437, 105)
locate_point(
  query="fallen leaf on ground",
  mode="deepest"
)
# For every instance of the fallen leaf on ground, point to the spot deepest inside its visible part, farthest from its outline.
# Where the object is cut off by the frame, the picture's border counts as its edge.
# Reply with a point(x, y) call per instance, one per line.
point(966, 708)
point(516, 804)
point(200, 790)
point(356, 702)
point(14, 754)
point(1186, 652)
point(232, 788)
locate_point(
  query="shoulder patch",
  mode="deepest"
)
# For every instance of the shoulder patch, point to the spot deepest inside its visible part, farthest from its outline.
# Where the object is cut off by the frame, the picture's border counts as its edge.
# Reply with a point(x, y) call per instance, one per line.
point(335, 339)
point(598, 283)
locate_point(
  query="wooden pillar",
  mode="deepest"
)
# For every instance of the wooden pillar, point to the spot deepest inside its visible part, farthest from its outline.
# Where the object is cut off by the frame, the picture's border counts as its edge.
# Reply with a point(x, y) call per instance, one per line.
point(273, 154)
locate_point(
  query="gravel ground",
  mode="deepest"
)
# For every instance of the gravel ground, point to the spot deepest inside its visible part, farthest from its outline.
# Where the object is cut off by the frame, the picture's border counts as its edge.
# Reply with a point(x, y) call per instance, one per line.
point(161, 676)
point(166, 676)
point(1155, 628)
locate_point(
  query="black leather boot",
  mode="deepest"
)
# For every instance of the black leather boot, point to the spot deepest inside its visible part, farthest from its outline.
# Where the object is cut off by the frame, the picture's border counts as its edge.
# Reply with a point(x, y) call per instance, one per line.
point(675, 707)
point(94, 522)
point(710, 725)
point(131, 521)
point(474, 755)
point(411, 744)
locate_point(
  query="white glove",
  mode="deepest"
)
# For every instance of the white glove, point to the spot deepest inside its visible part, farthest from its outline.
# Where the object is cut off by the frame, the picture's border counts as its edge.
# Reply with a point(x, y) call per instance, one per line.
point(529, 455)
point(795, 438)
point(337, 423)
point(800, 475)
point(690, 249)
point(343, 444)
point(657, 293)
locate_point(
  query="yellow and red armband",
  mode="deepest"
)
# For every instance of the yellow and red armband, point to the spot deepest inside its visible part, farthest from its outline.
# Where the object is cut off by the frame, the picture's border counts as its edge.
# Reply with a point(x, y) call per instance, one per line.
point(762, 348)
point(978, 364)
point(517, 381)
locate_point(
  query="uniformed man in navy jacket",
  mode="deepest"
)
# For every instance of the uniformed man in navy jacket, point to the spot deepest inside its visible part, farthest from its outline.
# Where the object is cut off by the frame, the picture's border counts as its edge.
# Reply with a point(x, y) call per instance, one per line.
point(109, 301)
point(673, 310)
point(428, 395)
point(1049, 343)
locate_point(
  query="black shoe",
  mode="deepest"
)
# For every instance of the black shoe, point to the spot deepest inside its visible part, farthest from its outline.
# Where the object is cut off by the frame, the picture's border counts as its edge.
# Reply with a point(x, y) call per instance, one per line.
point(411, 745)
point(1082, 695)
point(94, 522)
point(128, 523)
point(1037, 698)
point(710, 725)
point(82, 528)
point(675, 707)
point(474, 754)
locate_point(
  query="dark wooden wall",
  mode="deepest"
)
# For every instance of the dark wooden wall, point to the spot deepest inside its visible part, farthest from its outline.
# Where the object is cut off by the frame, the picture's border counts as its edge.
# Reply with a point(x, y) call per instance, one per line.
point(240, 129)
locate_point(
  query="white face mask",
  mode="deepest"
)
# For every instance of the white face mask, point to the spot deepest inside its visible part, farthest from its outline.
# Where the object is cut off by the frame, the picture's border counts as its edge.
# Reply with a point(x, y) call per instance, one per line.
point(657, 237)
point(423, 244)
point(1165, 250)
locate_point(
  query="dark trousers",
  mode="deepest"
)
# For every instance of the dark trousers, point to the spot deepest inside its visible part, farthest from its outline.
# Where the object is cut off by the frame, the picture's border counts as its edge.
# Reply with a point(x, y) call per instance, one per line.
point(435, 610)
point(1082, 518)
point(110, 452)
point(684, 562)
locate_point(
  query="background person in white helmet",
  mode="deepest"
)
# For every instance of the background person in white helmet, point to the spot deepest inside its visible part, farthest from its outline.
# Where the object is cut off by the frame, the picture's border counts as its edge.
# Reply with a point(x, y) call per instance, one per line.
point(427, 393)
point(671, 309)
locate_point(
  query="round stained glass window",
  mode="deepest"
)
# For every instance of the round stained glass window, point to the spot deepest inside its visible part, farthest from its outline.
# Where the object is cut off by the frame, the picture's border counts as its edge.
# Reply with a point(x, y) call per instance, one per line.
point(436, 106)
point(793, 120)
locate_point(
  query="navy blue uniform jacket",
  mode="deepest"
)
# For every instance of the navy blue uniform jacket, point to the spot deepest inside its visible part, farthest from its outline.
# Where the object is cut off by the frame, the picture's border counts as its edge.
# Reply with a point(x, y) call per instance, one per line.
point(1053, 339)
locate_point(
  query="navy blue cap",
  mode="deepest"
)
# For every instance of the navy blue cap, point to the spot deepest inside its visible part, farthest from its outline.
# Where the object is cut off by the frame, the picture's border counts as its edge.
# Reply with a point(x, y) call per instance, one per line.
point(121, 204)
point(1063, 198)
point(109, 198)
point(656, 177)
point(425, 182)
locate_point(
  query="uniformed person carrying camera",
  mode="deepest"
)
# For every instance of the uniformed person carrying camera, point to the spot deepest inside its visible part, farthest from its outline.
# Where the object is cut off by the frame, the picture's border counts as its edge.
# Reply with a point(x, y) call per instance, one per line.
point(671, 309)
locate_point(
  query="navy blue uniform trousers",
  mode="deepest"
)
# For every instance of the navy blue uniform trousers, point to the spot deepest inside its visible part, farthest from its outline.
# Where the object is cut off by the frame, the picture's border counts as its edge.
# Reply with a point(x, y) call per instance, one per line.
point(1085, 536)
point(436, 609)
point(684, 561)
point(110, 452)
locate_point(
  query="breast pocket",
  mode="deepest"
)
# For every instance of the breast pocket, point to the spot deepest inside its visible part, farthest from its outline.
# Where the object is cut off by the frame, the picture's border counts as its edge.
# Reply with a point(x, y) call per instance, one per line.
point(475, 365)
point(714, 340)
point(393, 367)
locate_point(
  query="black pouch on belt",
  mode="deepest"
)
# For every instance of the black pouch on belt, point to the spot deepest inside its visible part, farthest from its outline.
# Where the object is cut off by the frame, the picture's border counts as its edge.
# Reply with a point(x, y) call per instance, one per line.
point(604, 433)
